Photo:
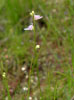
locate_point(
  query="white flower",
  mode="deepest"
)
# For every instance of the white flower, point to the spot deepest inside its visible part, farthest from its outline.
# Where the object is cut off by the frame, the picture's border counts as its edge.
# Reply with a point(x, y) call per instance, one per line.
point(23, 68)
point(30, 98)
point(30, 27)
point(25, 88)
point(37, 46)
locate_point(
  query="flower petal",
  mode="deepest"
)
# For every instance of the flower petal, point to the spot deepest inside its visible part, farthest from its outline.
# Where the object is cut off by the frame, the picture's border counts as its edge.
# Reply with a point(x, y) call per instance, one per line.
point(30, 27)
point(37, 17)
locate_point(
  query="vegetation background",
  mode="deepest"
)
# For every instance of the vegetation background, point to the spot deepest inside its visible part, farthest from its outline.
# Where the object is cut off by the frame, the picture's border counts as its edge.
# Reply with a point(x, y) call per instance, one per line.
point(50, 76)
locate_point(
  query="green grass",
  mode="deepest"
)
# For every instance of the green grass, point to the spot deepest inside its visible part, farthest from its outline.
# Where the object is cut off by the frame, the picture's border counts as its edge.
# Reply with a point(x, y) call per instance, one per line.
point(49, 71)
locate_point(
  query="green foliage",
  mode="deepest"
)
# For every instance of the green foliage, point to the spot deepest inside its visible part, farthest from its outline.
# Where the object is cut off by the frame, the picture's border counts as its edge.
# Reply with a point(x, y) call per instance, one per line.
point(53, 63)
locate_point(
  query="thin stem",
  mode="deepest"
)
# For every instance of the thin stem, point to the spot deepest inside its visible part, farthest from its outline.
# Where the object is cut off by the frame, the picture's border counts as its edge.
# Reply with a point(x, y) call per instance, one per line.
point(34, 36)
point(5, 83)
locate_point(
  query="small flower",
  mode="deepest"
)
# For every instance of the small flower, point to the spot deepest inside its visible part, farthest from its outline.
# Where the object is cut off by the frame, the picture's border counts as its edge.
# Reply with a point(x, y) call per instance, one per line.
point(4, 75)
point(37, 17)
point(30, 98)
point(30, 27)
point(23, 68)
point(25, 88)
point(32, 13)
point(37, 46)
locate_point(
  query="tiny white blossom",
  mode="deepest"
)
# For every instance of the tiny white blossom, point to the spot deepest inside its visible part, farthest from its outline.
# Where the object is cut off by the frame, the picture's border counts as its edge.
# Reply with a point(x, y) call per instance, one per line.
point(23, 68)
point(30, 98)
point(25, 88)
point(37, 46)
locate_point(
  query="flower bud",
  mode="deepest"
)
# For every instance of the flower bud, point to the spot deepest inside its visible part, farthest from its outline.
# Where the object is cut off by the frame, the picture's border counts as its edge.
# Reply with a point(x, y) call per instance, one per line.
point(32, 13)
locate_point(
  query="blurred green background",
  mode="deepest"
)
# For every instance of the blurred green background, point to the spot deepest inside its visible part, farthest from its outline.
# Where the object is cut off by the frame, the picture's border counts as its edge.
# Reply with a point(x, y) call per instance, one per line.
point(54, 33)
